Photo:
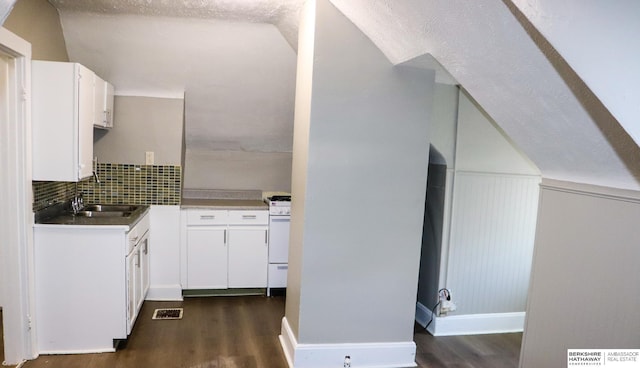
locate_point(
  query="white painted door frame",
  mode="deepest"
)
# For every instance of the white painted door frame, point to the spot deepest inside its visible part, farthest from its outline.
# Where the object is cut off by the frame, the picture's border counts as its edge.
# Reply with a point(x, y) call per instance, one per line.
point(16, 215)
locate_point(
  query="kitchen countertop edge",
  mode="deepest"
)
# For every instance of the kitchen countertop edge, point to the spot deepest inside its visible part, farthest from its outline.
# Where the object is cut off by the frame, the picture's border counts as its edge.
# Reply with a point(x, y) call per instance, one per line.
point(223, 204)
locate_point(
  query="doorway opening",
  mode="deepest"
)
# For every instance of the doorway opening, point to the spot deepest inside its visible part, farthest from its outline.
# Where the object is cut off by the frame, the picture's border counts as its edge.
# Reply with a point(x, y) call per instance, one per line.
point(431, 255)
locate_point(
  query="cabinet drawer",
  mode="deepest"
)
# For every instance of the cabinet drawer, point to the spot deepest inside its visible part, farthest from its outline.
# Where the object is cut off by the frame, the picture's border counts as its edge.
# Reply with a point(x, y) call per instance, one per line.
point(278, 275)
point(207, 217)
point(243, 217)
point(137, 232)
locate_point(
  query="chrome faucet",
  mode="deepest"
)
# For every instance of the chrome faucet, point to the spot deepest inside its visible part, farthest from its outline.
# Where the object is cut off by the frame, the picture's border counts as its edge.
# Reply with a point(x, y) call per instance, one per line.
point(77, 204)
point(95, 170)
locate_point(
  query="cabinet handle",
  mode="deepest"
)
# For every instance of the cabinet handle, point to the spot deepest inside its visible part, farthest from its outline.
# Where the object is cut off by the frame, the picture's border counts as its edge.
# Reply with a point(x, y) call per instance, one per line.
point(146, 247)
point(207, 217)
point(225, 237)
point(283, 267)
point(248, 217)
point(266, 237)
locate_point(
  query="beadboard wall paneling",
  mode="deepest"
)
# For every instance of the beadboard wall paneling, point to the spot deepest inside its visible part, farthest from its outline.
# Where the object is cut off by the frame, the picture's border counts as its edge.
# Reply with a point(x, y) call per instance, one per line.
point(491, 245)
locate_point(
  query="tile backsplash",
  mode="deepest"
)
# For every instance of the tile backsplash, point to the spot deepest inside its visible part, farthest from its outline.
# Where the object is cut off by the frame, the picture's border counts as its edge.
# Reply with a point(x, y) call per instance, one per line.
point(119, 184)
point(47, 193)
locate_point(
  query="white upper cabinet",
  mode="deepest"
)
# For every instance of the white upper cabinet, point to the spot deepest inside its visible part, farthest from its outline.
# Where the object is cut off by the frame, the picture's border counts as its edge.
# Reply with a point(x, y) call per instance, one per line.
point(62, 121)
point(103, 108)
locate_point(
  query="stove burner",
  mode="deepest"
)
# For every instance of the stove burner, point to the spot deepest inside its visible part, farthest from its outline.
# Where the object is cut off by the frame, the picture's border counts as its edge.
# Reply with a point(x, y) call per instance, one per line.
point(280, 198)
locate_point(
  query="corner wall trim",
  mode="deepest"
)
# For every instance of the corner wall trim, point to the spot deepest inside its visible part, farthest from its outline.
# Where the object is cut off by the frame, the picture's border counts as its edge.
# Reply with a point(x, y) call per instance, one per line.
point(423, 316)
point(365, 355)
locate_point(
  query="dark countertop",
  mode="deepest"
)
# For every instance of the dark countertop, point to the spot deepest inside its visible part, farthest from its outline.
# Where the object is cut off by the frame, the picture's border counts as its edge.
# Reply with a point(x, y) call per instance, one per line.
point(224, 204)
point(69, 219)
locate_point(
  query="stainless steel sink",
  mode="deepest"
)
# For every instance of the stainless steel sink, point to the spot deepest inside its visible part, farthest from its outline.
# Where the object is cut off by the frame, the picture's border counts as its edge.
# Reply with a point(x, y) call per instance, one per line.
point(104, 213)
point(102, 208)
point(92, 214)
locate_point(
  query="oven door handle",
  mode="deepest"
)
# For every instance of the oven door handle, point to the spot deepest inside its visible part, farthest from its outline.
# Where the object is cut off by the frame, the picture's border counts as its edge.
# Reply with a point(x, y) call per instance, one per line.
point(280, 218)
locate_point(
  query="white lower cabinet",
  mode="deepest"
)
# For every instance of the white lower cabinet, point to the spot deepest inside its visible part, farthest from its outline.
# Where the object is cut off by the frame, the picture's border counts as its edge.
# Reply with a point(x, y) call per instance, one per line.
point(133, 288)
point(225, 249)
point(137, 276)
point(90, 285)
point(207, 257)
point(248, 253)
point(145, 266)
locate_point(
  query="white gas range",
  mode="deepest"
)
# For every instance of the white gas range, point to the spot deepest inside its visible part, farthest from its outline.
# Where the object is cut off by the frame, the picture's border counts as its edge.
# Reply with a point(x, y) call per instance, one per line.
point(279, 221)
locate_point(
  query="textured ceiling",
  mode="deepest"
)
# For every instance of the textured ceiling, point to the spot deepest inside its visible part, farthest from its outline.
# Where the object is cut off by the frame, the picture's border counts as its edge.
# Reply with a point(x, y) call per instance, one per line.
point(238, 78)
point(518, 79)
point(611, 69)
point(490, 47)
point(281, 13)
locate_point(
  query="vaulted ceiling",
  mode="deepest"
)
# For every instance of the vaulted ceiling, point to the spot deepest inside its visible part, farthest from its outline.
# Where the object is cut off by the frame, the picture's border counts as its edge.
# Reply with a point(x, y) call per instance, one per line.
point(516, 75)
point(559, 79)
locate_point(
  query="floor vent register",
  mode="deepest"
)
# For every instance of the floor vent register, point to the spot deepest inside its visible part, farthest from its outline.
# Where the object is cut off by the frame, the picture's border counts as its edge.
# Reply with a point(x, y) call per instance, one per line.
point(167, 313)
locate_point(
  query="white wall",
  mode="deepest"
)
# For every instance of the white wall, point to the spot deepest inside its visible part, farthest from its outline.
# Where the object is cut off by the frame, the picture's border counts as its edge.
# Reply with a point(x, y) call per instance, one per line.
point(238, 170)
point(444, 122)
point(481, 146)
point(366, 135)
point(142, 124)
point(584, 291)
point(164, 262)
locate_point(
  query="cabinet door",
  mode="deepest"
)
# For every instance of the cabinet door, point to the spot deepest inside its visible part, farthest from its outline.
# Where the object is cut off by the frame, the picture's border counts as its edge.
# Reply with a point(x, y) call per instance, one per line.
point(85, 122)
point(144, 265)
point(103, 97)
point(108, 104)
point(99, 98)
point(62, 124)
point(139, 279)
point(206, 257)
point(248, 249)
point(132, 286)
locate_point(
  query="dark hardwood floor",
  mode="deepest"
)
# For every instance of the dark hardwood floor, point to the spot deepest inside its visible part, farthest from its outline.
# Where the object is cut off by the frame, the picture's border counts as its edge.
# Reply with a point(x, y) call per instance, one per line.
point(474, 351)
point(242, 332)
point(214, 332)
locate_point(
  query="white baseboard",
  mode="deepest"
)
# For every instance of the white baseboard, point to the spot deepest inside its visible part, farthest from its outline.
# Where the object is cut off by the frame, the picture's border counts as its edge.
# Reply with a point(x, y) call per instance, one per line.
point(164, 293)
point(85, 351)
point(363, 355)
point(470, 324)
point(478, 324)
